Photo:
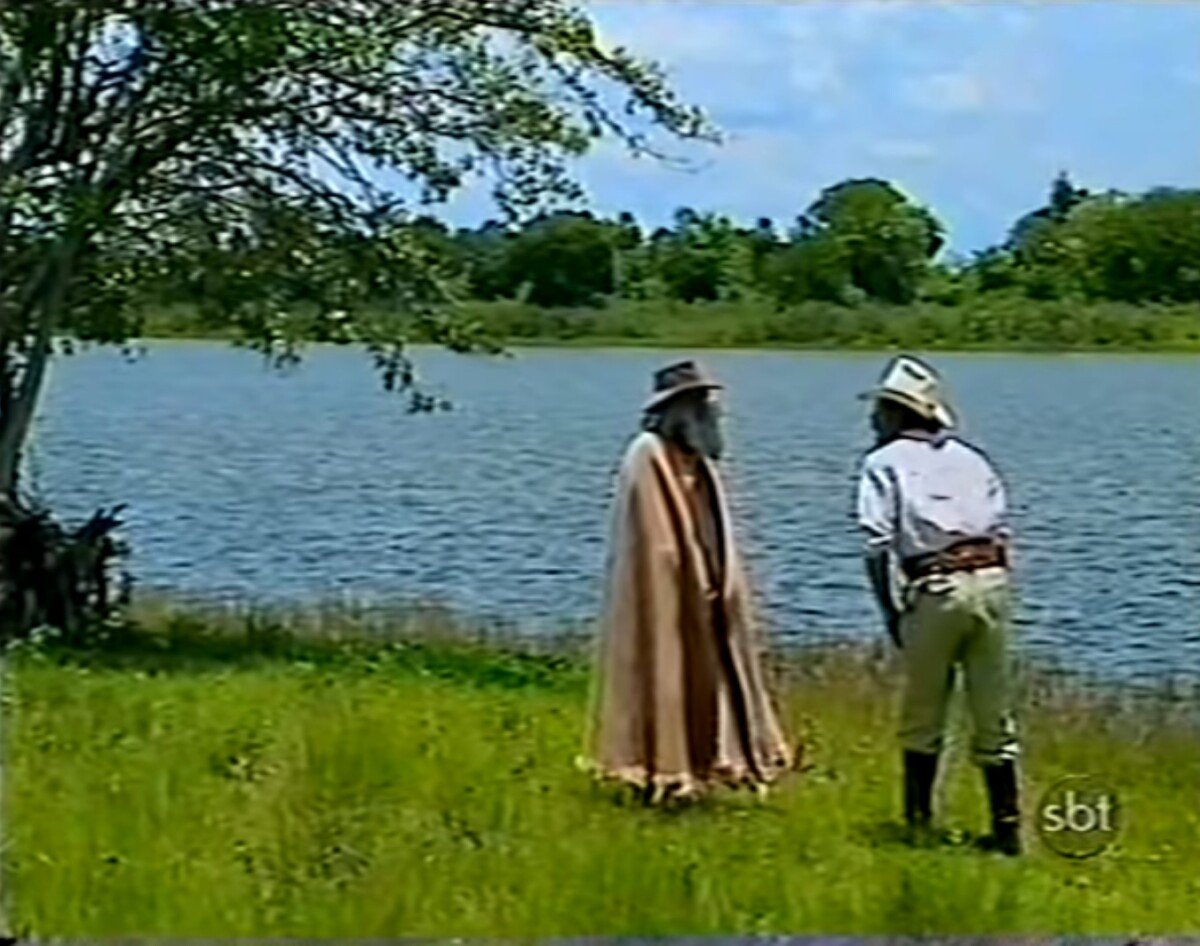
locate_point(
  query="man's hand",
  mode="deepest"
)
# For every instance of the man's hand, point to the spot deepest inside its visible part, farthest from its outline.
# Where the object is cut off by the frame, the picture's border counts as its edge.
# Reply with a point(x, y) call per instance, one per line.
point(881, 584)
point(893, 628)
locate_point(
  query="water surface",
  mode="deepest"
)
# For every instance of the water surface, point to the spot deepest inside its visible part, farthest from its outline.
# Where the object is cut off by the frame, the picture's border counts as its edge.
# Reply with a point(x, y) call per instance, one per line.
point(243, 483)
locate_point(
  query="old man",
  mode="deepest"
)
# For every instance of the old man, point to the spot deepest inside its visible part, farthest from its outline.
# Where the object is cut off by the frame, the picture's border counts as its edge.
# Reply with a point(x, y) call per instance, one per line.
point(937, 551)
point(681, 702)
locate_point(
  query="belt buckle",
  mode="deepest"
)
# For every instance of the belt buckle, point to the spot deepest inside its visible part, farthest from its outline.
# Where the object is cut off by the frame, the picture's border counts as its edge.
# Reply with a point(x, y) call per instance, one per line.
point(972, 558)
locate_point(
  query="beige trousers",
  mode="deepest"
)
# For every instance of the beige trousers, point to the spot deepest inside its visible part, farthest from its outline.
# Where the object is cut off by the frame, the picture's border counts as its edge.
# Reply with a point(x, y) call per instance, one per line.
point(951, 621)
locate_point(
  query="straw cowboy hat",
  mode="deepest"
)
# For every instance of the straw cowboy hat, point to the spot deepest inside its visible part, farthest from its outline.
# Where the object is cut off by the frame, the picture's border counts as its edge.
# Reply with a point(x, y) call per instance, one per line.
point(677, 379)
point(911, 382)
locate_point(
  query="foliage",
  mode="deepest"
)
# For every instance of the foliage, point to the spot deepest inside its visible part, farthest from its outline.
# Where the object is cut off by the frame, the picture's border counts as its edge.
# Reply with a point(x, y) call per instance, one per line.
point(703, 258)
point(1064, 197)
point(861, 267)
point(812, 268)
point(56, 579)
point(885, 242)
point(1145, 249)
point(244, 149)
point(992, 321)
point(860, 243)
point(562, 260)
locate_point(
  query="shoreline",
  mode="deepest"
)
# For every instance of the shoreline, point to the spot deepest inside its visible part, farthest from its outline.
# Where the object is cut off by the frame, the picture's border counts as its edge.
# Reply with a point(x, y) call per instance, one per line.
point(354, 626)
point(236, 623)
point(616, 344)
point(988, 323)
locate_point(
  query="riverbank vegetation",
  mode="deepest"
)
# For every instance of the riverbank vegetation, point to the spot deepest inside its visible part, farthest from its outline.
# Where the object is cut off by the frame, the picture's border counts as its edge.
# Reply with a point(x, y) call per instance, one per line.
point(1000, 322)
point(863, 267)
point(996, 323)
point(334, 775)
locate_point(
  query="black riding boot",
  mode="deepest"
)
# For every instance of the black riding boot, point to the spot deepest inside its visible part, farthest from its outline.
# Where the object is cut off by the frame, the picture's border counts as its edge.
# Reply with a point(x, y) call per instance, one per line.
point(1004, 797)
point(920, 771)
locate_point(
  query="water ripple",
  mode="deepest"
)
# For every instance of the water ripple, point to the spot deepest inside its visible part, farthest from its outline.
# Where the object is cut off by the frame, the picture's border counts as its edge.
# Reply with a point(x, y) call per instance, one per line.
point(243, 483)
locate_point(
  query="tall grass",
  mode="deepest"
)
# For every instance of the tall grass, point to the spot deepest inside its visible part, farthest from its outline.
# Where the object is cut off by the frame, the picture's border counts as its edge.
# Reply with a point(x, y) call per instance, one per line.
point(990, 322)
point(994, 321)
point(217, 775)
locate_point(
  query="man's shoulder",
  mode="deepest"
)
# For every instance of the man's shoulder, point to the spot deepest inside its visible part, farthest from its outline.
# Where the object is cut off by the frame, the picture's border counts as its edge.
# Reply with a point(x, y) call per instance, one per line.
point(903, 448)
point(969, 450)
point(641, 451)
point(883, 455)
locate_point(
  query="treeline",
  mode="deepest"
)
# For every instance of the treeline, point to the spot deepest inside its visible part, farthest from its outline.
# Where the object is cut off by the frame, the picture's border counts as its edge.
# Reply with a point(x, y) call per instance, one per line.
point(860, 241)
point(863, 266)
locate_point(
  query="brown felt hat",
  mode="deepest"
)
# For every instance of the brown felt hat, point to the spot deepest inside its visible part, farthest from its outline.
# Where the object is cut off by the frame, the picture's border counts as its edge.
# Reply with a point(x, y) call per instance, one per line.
point(677, 379)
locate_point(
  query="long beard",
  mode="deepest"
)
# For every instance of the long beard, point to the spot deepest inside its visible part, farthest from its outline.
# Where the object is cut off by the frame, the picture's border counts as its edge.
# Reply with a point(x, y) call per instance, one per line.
point(697, 431)
point(703, 436)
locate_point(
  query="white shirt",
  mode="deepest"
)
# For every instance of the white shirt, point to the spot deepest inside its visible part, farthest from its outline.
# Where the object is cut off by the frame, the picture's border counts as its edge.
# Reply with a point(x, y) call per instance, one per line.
point(921, 493)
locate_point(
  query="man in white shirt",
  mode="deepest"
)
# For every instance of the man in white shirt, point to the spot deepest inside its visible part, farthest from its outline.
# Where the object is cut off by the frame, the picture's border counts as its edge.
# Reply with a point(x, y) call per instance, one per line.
point(934, 513)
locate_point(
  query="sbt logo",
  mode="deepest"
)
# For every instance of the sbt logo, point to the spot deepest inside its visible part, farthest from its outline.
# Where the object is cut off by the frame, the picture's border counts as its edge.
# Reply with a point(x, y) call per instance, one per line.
point(1079, 817)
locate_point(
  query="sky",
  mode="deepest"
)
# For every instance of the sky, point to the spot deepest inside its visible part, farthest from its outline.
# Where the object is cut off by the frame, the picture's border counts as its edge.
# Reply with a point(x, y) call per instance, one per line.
point(970, 107)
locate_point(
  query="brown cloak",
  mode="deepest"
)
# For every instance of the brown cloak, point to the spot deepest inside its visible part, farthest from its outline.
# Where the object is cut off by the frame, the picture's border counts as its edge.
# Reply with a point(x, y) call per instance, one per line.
point(680, 699)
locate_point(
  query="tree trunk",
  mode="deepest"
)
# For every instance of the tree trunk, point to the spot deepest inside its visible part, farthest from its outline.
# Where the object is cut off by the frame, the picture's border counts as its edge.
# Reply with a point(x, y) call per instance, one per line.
point(46, 303)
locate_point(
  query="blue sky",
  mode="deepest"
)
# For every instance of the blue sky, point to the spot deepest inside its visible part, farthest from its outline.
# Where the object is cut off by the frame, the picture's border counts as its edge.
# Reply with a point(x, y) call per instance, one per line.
point(971, 107)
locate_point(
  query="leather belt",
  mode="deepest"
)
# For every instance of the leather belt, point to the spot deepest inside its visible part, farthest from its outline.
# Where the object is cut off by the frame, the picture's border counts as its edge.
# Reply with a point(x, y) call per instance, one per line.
point(967, 556)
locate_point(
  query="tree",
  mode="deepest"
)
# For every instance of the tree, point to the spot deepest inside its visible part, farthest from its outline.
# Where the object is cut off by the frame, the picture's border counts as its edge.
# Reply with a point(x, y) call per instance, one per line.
point(810, 268)
point(763, 243)
point(994, 269)
point(705, 258)
point(1138, 249)
point(1064, 197)
point(628, 235)
point(565, 260)
point(485, 255)
point(243, 146)
point(134, 132)
point(886, 240)
point(691, 274)
point(1035, 240)
point(1109, 246)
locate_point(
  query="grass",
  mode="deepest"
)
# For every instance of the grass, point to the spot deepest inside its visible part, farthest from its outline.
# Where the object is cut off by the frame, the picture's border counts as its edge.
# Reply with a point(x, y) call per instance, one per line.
point(987, 323)
point(992, 322)
point(232, 776)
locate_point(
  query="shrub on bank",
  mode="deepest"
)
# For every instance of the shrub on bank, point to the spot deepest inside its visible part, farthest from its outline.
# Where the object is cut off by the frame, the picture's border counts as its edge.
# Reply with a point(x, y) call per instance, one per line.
point(995, 320)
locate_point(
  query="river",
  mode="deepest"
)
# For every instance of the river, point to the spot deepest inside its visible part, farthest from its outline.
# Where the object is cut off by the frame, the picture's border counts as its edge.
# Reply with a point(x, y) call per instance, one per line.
point(242, 483)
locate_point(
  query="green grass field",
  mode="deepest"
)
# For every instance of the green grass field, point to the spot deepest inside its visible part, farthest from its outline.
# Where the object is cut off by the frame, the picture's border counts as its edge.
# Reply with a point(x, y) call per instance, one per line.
point(198, 780)
point(989, 323)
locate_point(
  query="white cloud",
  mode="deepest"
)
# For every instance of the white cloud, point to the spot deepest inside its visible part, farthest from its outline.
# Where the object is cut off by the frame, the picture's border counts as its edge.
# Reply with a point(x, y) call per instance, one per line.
point(813, 92)
point(945, 92)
